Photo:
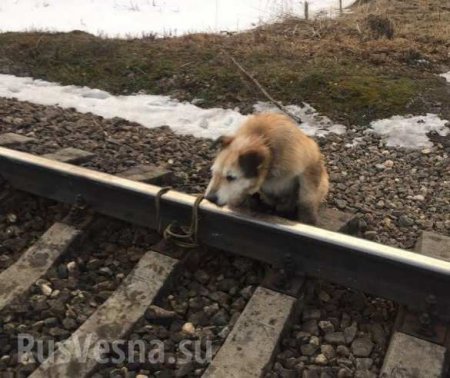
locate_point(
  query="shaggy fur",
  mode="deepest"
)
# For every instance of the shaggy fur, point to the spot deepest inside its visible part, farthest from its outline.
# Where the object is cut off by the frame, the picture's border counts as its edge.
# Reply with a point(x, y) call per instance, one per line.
point(270, 156)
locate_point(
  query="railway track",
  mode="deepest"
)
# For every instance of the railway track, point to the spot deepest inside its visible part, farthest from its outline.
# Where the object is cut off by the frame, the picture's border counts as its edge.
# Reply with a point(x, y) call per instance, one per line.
point(122, 282)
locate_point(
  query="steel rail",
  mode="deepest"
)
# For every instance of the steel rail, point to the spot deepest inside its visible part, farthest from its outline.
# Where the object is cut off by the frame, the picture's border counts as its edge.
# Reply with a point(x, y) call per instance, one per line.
point(406, 277)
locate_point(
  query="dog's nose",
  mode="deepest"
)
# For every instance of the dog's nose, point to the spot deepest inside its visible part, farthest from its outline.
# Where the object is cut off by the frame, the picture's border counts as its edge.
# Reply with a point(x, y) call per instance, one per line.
point(212, 197)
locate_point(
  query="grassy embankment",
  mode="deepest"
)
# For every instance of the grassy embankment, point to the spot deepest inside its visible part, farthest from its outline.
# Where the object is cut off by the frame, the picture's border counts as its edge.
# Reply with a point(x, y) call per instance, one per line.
point(347, 68)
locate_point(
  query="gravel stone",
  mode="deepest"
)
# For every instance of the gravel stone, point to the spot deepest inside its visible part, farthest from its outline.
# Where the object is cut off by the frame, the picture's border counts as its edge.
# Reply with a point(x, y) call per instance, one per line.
point(51, 322)
point(341, 204)
point(223, 334)
point(311, 314)
point(350, 332)
point(310, 326)
point(71, 266)
point(405, 221)
point(160, 316)
point(213, 308)
point(335, 338)
point(345, 320)
point(345, 373)
point(362, 347)
point(342, 350)
point(324, 296)
point(62, 271)
point(321, 360)
point(221, 318)
point(328, 351)
point(247, 292)
point(308, 349)
point(326, 326)
point(69, 324)
point(365, 374)
point(188, 328)
point(201, 276)
point(311, 374)
point(46, 290)
point(364, 363)
point(378, 334)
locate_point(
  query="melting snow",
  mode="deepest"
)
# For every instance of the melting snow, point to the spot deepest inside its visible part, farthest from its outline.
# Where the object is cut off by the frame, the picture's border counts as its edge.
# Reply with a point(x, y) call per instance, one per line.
point(312, 122)
point(187, 118)
point(152, 111)
point(409, 131)
point(135, 18)
point(446, 76)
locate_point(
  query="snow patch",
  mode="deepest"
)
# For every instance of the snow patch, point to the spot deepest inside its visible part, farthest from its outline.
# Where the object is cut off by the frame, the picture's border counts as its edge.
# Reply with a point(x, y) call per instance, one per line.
point(446, 76)
point(136, 18)
point(152, 111)
point(355, 142)
point(312, 122)
point(409, 131)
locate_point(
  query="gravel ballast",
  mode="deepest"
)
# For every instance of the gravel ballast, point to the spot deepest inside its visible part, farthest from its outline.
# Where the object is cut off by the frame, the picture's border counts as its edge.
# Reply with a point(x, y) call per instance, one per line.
point(118, 144)
point(341, 333)
point(23, 219)
point(72, 290)
point(200, 311)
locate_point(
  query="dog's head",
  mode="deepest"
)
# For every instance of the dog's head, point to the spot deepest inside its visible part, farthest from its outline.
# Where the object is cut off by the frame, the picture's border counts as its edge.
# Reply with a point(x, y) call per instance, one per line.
point(238, 171)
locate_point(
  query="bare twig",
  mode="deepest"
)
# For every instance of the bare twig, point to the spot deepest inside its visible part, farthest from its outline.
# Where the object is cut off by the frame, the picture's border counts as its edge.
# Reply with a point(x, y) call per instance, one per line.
point(264, 92)
point(38, 42)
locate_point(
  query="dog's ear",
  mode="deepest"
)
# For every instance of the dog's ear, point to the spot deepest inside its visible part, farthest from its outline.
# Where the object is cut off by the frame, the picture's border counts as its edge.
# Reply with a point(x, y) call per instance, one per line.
point(251, 161)
point(222, 141)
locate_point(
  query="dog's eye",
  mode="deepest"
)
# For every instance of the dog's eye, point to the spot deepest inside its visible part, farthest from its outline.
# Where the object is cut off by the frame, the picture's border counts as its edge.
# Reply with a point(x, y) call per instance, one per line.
point(230, 178)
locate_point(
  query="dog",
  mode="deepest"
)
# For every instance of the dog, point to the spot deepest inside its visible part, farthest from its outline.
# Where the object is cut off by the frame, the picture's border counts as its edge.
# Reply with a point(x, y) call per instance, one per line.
point(271, 158)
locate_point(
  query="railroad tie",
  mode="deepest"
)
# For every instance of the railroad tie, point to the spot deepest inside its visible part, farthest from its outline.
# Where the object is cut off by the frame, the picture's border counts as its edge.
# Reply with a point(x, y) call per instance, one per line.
point(112, 320)
point(70, 155)
point(339, 221)
point(35, 262)
point(13, 140)
point(409, 356)
point(252, 343)
point(418, 349)
point(150, 174)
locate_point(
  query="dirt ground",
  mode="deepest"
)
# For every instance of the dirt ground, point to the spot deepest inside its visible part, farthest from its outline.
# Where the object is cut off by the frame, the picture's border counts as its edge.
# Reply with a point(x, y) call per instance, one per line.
point(377, 61)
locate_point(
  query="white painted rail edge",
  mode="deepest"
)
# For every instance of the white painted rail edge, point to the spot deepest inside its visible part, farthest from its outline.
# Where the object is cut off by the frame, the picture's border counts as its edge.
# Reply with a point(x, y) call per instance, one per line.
point(408, 356)
point(250, 346)
point(35, 262)
point(112, 320)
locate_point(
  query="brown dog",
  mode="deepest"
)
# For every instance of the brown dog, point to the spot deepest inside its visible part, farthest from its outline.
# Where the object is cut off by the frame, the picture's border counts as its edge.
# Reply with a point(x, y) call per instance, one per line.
point(269, 155)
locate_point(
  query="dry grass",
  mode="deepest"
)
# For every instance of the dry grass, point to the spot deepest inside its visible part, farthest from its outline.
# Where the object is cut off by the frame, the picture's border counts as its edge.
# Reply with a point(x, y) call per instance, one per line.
point(339, 66)
point(425, 20)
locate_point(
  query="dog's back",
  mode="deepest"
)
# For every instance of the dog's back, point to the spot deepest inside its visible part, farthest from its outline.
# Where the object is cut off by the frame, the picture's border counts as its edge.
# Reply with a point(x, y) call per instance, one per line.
point(295, 156)
point(292, 150)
